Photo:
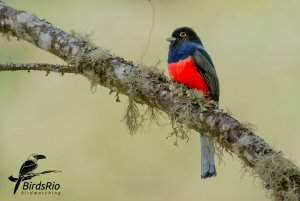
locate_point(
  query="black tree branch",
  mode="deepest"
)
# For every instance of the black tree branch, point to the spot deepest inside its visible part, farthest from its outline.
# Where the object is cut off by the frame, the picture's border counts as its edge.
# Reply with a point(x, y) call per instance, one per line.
point(31, 175)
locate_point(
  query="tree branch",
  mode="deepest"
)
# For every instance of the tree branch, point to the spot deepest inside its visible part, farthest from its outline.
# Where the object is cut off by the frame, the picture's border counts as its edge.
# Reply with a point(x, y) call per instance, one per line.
point(148, 86)
point(39, 67)
point(31, 175)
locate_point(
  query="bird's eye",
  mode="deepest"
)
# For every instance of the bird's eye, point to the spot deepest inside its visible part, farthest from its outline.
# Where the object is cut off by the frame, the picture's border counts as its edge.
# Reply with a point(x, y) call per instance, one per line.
point(182, 34)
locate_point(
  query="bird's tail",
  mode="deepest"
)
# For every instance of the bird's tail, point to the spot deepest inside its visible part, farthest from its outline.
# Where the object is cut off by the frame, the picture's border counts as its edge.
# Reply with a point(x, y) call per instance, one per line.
point(17, 184)
point(207, 157)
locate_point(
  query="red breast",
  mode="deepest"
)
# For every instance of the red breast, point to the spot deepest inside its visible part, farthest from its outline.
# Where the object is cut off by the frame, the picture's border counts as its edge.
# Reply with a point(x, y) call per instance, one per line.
point(185, 72)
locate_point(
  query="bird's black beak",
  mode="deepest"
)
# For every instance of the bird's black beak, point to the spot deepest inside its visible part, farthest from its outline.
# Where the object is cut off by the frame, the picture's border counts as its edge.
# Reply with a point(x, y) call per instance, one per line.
point(171, 39)
point(38, 157)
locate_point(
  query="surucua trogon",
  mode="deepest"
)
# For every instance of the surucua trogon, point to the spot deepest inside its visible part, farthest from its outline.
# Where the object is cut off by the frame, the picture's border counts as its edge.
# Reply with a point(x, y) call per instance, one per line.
point(190, 64)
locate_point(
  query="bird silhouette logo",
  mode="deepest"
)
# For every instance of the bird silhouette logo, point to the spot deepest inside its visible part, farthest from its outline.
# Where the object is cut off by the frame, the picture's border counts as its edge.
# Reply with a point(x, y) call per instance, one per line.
point(27, 170)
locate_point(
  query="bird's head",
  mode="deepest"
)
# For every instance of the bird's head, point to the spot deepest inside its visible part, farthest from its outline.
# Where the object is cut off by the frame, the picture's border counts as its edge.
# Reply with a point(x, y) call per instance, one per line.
point(183, 34)
point(39, 156)
point(36, 157)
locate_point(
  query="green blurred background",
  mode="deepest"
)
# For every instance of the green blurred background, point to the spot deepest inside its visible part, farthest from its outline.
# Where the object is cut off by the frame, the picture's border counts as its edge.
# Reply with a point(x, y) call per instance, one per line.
point(255, 46)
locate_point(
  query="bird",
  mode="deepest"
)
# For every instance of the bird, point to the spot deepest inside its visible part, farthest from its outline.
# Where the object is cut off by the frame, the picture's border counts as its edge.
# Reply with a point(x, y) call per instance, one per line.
point(27, 167)
point(190, 64)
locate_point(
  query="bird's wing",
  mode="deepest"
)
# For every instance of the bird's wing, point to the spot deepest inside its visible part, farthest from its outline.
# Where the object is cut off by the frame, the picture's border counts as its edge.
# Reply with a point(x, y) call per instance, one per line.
point(27, 167)
point(206, 68)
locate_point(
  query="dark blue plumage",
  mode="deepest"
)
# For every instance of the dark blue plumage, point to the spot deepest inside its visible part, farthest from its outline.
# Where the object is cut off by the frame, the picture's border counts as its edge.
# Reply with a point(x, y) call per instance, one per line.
point(185, 49)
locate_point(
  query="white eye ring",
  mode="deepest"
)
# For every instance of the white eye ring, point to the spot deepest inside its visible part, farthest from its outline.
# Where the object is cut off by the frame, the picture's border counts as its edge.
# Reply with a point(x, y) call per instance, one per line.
point(182, 34)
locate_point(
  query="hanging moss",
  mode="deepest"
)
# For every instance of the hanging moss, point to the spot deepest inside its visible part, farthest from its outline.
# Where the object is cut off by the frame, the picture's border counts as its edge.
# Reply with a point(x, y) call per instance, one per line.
point(135, 117)
point(132, 117)
point(179, 131)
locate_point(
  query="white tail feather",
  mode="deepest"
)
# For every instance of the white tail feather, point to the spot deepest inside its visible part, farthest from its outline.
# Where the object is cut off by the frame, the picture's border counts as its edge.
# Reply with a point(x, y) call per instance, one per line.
point(207, 157)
